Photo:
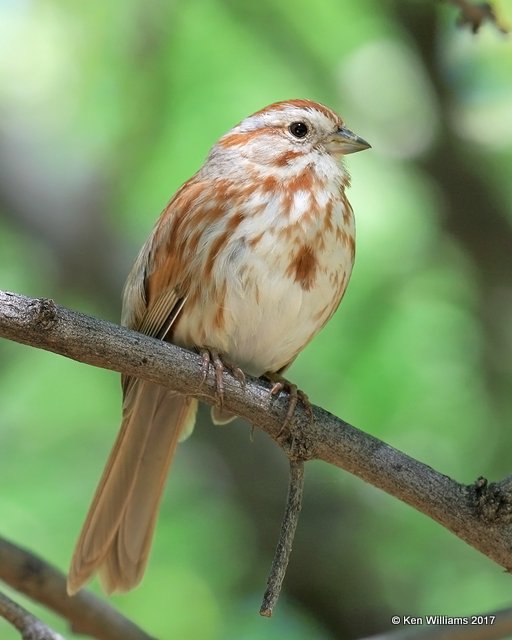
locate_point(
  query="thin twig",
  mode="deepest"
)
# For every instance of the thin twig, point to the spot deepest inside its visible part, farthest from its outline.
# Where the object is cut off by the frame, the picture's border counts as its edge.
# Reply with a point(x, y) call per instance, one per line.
point(286, 535)
point(31, 628)
point(86, 613)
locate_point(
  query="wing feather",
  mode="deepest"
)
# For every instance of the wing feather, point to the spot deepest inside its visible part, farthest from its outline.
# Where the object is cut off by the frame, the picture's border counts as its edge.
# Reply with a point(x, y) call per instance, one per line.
point(116, 537)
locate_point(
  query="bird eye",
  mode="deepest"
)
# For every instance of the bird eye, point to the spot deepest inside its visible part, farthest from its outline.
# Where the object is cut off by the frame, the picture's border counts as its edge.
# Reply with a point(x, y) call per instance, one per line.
point(298, 129)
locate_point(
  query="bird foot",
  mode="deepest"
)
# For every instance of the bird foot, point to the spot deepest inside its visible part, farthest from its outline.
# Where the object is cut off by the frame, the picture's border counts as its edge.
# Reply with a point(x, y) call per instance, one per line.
point(211, 357)
point(295, 394)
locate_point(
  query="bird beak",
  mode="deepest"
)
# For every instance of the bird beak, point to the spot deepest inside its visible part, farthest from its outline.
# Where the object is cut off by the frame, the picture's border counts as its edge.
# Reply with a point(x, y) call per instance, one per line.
point(344, 141)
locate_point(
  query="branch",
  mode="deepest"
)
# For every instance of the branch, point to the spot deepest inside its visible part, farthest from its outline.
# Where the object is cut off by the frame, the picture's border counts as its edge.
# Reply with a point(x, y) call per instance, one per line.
point(480, 514)
point(86, 613)
point(31, 627)
point(284, 544)
point(474, 15)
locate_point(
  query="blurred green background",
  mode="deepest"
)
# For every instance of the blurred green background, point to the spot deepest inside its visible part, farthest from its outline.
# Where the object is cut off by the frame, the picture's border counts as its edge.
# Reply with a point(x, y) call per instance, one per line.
point(106, 108)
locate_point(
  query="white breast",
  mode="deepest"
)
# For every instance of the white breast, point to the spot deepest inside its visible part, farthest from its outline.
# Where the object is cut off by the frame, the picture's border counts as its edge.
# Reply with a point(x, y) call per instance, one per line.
point(255, 311)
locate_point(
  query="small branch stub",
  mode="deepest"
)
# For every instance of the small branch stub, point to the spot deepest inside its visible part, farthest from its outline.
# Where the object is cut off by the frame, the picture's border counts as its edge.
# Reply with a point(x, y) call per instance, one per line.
point(476, 14)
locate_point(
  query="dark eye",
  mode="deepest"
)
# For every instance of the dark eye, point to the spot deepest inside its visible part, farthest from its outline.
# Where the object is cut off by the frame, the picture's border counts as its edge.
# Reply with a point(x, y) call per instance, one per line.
point(298, 129)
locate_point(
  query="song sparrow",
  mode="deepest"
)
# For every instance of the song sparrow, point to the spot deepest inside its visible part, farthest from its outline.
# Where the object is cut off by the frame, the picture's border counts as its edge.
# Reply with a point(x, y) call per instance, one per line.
point(249, 260)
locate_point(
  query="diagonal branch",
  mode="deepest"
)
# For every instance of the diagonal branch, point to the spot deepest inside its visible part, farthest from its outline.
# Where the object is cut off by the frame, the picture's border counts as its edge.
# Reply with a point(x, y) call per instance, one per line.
point(86, 613)
point(30, 627)
point(480, 514)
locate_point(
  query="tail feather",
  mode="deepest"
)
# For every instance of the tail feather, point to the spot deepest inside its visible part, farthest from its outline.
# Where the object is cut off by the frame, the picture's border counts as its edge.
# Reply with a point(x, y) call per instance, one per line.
point(117, 534)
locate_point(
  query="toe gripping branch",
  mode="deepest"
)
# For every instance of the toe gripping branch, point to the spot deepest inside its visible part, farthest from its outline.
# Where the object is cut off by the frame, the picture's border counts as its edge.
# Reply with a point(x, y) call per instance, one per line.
point(211, 357)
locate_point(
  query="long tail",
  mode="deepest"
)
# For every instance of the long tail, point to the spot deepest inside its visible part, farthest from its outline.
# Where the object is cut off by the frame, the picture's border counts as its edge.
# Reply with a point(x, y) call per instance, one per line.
point(118, 531)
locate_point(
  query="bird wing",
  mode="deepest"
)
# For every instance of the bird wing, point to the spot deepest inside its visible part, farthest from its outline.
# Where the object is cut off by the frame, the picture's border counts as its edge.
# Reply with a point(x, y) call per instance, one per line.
point(116, 537)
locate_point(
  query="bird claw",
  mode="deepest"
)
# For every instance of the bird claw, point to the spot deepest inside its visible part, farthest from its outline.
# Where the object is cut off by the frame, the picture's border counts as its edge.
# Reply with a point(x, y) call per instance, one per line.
point(211, 357)
point(295, 394)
